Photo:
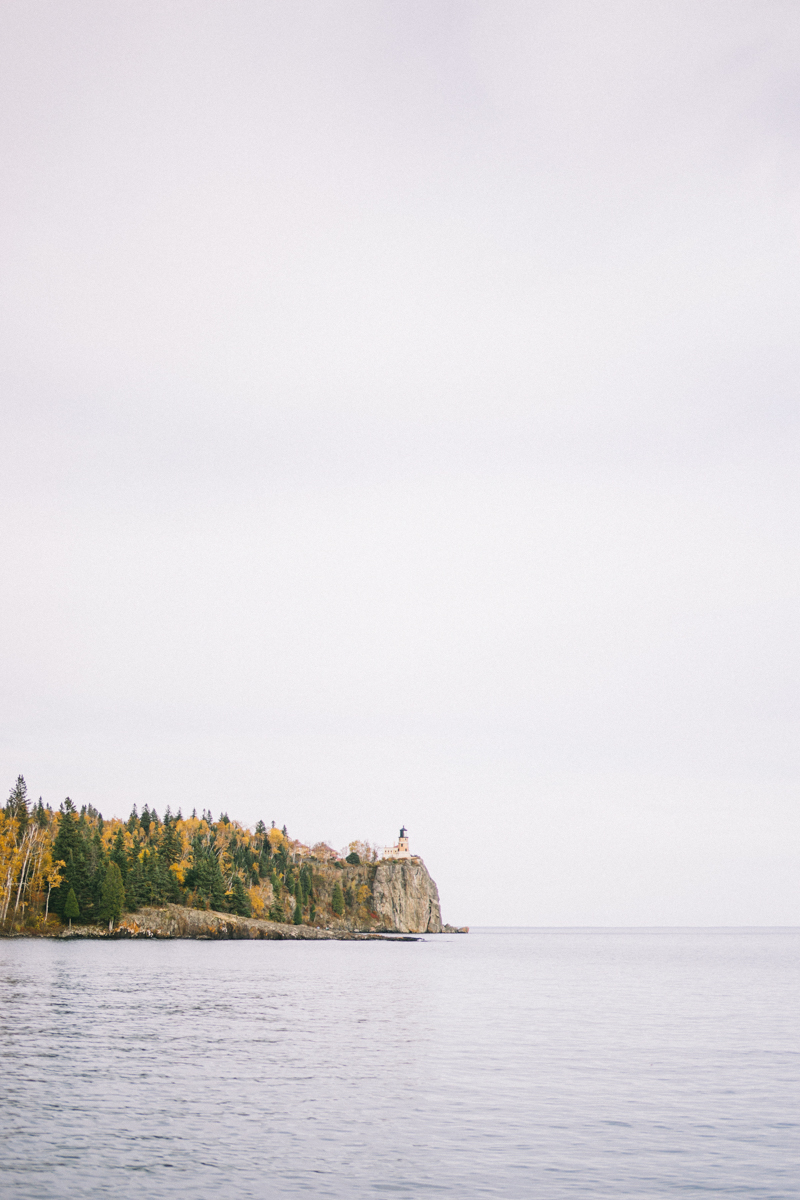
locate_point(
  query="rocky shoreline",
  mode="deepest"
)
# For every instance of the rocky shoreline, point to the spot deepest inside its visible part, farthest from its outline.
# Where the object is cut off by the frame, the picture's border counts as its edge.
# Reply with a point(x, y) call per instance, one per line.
point(174, 921)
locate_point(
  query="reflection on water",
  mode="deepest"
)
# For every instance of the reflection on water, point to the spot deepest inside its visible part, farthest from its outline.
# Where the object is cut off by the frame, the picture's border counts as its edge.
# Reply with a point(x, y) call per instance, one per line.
point(533, 1063)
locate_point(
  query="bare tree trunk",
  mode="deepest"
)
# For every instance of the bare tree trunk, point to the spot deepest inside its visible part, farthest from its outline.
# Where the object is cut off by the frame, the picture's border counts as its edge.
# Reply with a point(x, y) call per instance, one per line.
point(8, 890)
point(21, 884)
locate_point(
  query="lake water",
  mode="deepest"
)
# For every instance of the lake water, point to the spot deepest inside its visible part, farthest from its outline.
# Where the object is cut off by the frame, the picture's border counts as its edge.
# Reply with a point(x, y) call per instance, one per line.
point(509, 1063)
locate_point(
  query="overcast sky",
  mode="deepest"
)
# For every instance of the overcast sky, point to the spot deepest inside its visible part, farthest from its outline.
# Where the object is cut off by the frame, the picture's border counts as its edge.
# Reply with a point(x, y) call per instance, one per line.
point(400, 424)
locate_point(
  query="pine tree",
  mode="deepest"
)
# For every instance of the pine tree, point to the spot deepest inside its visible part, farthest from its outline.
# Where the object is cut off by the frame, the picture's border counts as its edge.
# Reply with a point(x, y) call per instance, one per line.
point(218, 901)
point(206, 878)
point(112, 900)
point(70, 848)
point(155, 874)
point(170, 848)
point(337, 900)
point(240, 901)
point(135, 884)
point(71, 910)
point(96, 864)
point(266, 855)
point(17, 807)
point(118, 854)
point(173, 891)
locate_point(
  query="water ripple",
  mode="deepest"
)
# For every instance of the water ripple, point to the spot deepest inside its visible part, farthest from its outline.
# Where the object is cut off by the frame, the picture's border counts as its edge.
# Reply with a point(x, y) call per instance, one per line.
point(507, 1064)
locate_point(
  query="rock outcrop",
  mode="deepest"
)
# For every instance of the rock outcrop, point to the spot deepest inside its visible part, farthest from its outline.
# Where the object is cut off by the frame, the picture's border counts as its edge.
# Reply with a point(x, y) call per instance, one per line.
point(175, 921)
point(405, 897)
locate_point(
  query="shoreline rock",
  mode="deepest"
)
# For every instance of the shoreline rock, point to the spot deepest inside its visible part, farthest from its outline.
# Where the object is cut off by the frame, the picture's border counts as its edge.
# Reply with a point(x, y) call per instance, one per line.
point(173, 921)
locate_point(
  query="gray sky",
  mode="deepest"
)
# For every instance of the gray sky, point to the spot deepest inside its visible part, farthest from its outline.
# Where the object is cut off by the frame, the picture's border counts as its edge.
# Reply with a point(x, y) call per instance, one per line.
point(399, 423)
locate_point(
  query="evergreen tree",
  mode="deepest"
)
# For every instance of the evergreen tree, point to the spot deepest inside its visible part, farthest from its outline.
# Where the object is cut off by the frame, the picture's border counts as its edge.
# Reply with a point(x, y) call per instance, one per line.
point(118, 854)
point(69, 846)
point(112, 900)
point(298, 908)
point(155, 878)
point(217, 898)
point(240, 901)
point(172, 891)
point(135, 884)
point(96, 863)
point(71, 910)
point(17, 806)
point(170, 848)
point(206, 878)
point(337, 900)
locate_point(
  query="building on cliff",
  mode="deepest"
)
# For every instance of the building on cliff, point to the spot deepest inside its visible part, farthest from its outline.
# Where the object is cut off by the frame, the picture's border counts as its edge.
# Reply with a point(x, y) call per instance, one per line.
point(400, 848)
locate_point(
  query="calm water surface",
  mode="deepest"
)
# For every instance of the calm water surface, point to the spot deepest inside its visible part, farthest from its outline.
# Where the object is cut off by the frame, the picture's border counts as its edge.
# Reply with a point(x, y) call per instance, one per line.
point(508, 1063)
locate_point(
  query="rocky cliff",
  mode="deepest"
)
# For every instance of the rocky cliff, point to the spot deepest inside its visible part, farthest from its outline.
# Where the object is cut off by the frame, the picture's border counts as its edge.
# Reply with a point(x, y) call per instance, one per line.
point(405, 897)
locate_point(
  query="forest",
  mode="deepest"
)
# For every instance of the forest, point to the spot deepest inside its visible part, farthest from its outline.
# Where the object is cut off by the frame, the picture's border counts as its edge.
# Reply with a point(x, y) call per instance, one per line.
point(69, 866)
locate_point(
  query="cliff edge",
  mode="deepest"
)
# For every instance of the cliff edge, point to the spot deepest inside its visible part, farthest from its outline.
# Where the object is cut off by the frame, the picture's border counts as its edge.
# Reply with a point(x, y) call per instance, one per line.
point(405, 898)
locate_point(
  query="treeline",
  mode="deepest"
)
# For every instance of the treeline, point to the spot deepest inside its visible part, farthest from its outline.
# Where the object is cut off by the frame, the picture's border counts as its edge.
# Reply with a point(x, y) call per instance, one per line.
point(73, 865)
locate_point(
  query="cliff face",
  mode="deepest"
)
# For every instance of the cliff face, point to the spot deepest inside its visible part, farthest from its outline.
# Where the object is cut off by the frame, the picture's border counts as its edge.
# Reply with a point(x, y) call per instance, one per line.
point(405, 897)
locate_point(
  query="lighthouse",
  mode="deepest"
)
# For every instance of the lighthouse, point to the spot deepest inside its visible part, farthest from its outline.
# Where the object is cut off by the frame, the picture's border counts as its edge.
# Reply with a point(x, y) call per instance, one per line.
point(400, 848)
